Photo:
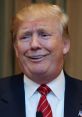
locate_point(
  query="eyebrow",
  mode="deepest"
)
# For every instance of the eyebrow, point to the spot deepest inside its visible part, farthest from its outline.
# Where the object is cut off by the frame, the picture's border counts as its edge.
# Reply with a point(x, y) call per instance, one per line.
point(26, 33)
point(42, 30)
point(31, 31)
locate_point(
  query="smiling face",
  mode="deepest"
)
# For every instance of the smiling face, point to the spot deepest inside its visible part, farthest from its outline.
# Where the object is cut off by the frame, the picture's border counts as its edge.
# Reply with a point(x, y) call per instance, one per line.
point(40, 49)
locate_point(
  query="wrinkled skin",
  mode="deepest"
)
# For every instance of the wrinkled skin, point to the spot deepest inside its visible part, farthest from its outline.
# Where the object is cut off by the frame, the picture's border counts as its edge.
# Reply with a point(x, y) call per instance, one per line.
point(40, 49)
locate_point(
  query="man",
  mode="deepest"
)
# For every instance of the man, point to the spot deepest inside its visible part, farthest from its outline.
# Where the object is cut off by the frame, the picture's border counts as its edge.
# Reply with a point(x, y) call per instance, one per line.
point(41, 40)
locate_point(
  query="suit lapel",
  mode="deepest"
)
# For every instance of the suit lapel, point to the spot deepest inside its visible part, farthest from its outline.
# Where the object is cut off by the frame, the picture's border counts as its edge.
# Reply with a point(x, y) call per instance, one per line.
point(12, 101)
point(72, 102)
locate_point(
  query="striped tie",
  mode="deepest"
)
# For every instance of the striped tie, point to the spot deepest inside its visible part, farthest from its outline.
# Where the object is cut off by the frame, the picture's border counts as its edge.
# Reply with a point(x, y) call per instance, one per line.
point(44, 106)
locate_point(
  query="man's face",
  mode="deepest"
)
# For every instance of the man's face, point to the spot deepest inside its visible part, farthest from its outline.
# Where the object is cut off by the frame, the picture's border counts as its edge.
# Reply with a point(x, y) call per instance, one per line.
point(40, 49)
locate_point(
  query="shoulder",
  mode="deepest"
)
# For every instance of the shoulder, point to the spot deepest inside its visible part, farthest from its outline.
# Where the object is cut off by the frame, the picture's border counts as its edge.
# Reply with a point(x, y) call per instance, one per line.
point(72, 79)
point(7, 82)
point(73, 84)
point(13, 77)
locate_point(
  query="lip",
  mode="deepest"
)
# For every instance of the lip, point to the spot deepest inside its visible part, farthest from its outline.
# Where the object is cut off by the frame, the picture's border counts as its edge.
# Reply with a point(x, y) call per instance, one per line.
point(37, 58)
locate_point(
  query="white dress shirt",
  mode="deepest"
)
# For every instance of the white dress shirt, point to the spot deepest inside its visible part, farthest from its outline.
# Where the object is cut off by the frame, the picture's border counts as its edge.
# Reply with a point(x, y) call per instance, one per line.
point(55, 98)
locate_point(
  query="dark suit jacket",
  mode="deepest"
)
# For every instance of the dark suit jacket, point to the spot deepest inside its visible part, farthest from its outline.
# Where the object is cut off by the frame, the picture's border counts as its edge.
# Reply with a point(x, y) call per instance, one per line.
point(12, 99)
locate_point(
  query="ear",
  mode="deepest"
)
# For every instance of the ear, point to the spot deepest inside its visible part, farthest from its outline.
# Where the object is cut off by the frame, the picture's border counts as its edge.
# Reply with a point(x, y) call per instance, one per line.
point(16, 50)
point(66, 46)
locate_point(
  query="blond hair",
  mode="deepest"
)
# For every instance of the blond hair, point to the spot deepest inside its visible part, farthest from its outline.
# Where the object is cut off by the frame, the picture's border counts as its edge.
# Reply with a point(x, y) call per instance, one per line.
point(42, 10)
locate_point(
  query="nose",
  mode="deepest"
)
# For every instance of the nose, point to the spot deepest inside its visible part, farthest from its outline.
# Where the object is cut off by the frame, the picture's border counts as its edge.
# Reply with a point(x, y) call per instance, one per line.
point(35, 43)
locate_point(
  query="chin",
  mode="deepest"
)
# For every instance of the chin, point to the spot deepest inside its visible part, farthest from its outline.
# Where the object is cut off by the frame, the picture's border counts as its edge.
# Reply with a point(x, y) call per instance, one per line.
point(38, 71)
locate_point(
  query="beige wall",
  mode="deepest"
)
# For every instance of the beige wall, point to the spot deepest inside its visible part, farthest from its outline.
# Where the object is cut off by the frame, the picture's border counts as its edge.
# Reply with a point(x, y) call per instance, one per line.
point(20, 3)
point(74, 62)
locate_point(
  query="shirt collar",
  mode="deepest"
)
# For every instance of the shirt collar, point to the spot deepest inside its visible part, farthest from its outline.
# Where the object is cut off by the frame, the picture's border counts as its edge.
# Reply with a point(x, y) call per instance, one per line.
point(57, 86)
point(30, 86)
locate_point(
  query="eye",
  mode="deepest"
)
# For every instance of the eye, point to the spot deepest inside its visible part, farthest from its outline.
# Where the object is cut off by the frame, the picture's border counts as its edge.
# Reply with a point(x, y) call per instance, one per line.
point(26, 36)
point(44, 35)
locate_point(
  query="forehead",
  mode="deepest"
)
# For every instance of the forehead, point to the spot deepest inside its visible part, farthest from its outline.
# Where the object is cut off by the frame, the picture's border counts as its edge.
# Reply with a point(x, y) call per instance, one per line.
point(44, 23)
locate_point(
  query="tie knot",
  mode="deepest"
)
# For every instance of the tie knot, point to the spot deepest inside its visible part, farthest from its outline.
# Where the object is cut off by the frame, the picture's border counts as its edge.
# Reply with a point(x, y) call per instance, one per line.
point(44, 89)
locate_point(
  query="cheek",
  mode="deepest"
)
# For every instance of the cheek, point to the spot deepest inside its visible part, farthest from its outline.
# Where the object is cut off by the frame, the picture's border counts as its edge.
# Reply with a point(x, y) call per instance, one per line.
point(57, 53)
point(21, 48)
point(54, 46)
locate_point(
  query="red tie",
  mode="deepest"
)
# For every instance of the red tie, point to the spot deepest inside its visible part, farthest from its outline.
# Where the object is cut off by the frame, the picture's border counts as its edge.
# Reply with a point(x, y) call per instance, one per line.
point(44, 106)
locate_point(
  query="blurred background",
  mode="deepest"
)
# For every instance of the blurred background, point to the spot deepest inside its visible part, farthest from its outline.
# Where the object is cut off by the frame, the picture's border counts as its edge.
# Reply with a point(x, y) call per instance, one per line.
point(73, 61)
